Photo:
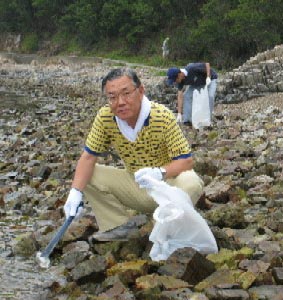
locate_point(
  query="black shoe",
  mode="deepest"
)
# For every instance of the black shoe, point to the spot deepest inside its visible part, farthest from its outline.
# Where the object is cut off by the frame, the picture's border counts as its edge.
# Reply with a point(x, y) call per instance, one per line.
point(121, 233)
point(188, 123)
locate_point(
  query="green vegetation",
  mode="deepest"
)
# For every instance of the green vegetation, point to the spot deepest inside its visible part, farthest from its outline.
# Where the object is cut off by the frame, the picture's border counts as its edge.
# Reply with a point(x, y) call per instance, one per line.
point(242, 193)
point(29, 43)
point(223, 32)
point(212, 135)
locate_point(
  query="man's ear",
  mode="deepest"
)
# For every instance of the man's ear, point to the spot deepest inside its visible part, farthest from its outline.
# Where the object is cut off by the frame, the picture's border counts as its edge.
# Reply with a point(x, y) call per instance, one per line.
point(141, 88)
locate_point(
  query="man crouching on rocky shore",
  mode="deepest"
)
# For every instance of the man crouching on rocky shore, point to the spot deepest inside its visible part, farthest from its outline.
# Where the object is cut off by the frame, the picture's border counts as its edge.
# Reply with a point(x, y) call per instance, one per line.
point(149, 141)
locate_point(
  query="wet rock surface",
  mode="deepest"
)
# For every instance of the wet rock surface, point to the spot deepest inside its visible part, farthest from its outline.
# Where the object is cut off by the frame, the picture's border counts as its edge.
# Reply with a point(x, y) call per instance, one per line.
point(46, 111)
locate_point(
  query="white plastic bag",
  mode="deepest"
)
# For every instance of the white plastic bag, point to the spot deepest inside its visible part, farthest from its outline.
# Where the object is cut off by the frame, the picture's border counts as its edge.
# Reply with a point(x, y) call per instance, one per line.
point(177, 224)
point(200, 108)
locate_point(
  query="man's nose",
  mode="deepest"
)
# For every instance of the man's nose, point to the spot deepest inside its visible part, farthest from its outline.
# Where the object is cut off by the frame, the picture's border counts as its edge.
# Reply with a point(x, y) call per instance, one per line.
point(120, 99)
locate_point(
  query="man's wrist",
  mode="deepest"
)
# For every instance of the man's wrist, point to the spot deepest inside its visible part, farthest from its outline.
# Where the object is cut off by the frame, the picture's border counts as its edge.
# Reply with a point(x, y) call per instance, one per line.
point(76, 189)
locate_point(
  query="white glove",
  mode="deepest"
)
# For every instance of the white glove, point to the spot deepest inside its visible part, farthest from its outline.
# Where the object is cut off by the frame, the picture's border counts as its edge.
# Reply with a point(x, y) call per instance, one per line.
point(179, 118)
point(141, 180)
point(72, 206)
point(208, 81)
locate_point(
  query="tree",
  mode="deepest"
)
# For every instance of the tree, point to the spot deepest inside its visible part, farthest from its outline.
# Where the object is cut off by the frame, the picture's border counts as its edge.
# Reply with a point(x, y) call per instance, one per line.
point(82, 20)
point(48, 13)
point(16, 16)
point(255, 25)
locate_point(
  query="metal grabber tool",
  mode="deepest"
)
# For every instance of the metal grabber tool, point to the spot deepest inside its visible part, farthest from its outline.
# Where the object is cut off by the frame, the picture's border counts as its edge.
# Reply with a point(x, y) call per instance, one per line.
point(43, 257)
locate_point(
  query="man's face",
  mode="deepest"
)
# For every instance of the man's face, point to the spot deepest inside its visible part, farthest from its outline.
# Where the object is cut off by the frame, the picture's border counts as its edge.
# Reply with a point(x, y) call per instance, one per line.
point(180, 77)
point(124, 98)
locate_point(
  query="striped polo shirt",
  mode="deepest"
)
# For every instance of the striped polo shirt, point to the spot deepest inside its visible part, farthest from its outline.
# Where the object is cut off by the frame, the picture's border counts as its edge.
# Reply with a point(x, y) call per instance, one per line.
point(160, 141)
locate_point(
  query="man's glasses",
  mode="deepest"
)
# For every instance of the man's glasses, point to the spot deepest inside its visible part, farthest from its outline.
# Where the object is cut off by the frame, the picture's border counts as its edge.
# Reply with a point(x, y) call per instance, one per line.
point(125, 95)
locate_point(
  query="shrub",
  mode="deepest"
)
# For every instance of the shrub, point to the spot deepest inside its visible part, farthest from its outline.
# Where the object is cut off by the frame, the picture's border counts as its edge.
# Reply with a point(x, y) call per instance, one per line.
point(29, 43)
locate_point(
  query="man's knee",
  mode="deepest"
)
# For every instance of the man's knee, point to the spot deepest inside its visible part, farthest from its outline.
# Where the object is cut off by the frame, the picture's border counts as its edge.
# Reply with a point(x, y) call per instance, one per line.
point(190, 183)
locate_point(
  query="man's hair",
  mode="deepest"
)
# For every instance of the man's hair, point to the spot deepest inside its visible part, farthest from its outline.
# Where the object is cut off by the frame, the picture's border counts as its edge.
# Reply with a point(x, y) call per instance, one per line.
point(117, 73)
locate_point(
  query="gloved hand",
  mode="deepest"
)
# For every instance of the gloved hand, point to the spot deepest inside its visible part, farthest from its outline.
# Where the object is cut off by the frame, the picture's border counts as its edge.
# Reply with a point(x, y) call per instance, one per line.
point(179, 118)
point(208, 81)
point(141, 180)
point(71, 207)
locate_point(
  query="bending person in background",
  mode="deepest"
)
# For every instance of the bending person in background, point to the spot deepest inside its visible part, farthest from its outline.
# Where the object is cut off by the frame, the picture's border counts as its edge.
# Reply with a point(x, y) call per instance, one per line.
point(195, 76)
point(148, 140)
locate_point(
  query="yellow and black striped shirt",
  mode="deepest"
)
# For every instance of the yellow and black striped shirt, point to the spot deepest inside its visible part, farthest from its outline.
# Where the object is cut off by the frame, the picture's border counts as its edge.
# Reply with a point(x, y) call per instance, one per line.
point(160, 141)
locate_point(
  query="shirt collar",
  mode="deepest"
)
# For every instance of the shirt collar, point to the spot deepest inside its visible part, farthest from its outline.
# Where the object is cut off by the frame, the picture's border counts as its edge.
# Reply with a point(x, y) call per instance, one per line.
point(184, 71)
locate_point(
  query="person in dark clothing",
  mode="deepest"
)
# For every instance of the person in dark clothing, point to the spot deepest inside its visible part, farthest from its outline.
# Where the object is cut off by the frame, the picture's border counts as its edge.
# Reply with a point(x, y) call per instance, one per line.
point(195, 76)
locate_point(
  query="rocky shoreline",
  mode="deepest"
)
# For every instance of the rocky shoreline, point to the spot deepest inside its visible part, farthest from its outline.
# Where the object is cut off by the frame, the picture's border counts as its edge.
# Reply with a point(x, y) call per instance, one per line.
point(46, 112)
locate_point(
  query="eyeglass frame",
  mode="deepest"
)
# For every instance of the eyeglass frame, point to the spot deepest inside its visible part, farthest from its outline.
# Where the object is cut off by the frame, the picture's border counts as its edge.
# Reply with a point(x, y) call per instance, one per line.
point(125, 95)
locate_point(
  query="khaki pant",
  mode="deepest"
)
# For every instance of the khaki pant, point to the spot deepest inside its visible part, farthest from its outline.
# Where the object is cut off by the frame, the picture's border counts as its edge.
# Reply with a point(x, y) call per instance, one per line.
point(113, 193)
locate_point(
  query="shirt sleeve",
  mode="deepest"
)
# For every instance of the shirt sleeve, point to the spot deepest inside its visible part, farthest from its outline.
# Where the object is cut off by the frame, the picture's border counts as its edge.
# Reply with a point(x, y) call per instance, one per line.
point(97, 141)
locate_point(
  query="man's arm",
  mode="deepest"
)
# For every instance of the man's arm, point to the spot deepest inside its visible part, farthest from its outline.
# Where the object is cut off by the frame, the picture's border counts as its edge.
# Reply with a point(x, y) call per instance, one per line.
point(180, 99)
point(207, 67)
point(178, 166)
point(84, 170)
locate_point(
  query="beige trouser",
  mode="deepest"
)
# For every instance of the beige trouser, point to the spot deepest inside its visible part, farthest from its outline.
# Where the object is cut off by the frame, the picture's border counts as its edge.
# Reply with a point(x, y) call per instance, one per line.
point(113, 193)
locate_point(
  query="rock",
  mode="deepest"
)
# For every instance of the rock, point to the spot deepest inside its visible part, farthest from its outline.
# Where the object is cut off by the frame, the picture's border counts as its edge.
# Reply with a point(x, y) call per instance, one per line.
point(278, 275)
point(89, 270)
point(182, 294)
point(117, 291)
point(217, 192)
point(75, 253)
point(81, 229)
point(266, 292)
point(229, 258)
point(226, 294)
point(129, 271)
point(187, 264)
point(44, 172)
point(223, 240)
point(164, 282)
point(26, 246)
point(228, 215)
